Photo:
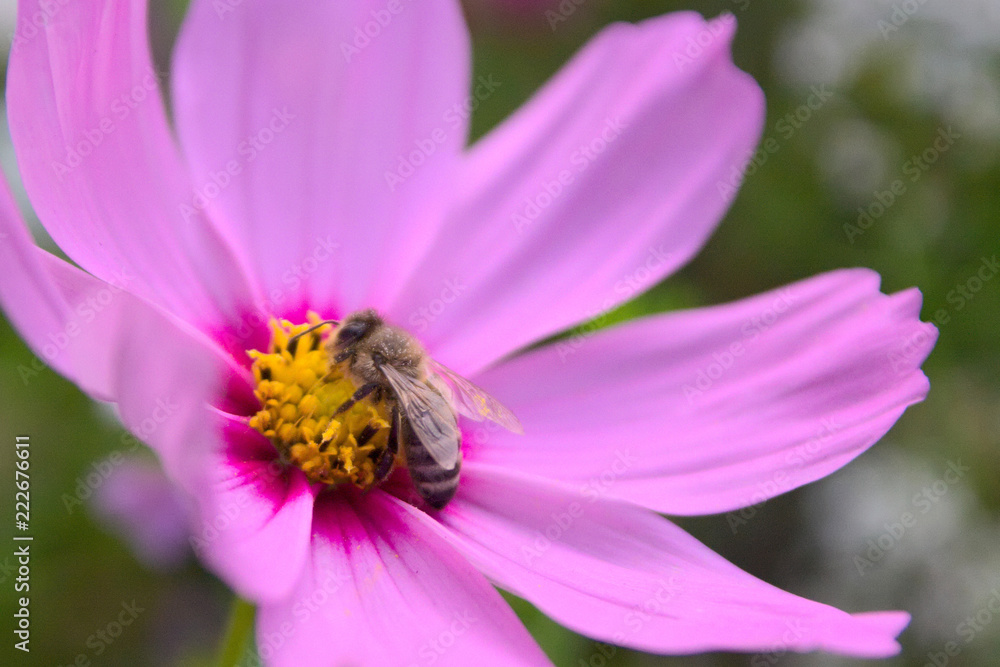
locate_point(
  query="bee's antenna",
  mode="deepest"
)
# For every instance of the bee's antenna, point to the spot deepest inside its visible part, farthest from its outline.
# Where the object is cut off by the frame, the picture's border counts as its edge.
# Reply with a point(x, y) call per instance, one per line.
point(293, 341)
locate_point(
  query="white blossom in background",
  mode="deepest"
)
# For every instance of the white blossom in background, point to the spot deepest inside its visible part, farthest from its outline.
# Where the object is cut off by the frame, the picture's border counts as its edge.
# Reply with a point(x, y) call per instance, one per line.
point(908, 527)
point(945, 53)
point(8, 19)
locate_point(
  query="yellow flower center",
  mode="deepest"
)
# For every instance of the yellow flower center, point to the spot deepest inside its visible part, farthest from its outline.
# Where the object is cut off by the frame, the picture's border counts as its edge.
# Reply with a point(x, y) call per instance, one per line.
point(299, 391)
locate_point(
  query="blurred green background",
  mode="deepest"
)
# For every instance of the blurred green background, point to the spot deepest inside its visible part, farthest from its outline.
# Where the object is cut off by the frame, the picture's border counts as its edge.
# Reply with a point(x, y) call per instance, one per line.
point(893, 90)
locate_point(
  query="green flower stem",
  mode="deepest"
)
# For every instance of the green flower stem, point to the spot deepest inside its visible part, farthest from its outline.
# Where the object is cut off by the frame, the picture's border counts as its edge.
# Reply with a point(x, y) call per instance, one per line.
point(239, 631)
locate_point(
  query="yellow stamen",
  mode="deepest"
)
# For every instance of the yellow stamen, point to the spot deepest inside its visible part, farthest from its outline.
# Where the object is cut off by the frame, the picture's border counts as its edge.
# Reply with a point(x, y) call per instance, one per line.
point(299, 393)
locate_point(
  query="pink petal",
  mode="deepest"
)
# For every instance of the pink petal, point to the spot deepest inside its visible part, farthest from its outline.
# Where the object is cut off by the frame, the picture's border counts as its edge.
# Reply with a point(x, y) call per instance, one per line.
point(255, 516)
point(163, 374)
point(165, 379)
point(717, 408)
point(619, 573)
point(383, 589)
point(108, 319)
point(666, 130)
point(97, 159)
point(308, 124)
point(36, 307)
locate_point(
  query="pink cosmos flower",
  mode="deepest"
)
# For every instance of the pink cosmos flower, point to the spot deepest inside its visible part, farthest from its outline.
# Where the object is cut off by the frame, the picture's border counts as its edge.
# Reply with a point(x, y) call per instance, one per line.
point(318, 171)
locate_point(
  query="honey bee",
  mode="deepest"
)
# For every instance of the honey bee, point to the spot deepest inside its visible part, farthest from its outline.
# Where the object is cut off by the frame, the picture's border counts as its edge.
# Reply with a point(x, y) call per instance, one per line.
point(425, 397)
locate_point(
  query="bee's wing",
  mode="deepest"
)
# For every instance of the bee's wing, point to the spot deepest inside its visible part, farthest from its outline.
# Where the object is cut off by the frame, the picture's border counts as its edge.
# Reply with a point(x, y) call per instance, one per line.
point(474, 402)
point(430, 416)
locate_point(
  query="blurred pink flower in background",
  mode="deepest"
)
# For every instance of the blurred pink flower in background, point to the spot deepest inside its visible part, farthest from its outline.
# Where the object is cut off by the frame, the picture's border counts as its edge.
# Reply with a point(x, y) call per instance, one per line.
point(317, 167)
point(145, 509)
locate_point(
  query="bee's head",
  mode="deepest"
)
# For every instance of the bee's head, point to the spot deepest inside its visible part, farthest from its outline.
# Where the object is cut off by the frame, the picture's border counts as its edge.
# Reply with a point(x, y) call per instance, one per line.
point(354, 328)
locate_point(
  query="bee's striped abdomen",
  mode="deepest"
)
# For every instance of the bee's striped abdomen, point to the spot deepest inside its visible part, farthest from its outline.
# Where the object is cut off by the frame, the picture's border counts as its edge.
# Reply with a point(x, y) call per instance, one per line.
point(434, 484)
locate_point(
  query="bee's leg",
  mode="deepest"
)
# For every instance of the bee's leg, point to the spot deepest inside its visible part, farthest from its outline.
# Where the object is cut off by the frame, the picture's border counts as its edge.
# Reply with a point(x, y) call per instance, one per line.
point(394, 432)
point(367, 433)
point(384, 465)
point(361, 393)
